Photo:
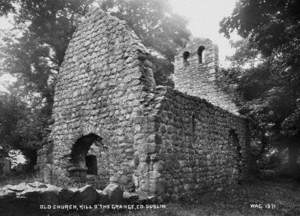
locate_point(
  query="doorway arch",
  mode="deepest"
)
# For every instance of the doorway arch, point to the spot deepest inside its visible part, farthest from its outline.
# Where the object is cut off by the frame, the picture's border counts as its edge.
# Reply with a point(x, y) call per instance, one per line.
point(82, 161)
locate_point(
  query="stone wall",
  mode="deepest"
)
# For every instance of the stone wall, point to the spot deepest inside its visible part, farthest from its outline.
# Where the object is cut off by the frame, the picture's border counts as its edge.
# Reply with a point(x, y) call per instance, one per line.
point(103, 78)
point(146, 138)
point(200, 78)
point(199, 146)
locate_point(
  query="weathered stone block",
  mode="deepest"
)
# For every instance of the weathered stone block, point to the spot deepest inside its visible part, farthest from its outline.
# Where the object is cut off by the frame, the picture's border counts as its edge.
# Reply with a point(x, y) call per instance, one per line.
point(86, 195)
point(66, 196)
point(114, 193)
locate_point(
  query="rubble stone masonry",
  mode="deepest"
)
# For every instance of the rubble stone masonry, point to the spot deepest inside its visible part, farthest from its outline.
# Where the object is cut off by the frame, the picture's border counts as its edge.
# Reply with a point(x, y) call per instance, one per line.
point(113, 124)
point(197, 73)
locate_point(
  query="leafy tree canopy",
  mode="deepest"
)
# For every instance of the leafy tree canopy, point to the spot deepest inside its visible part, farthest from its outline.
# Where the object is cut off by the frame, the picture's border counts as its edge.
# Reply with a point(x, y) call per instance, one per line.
point(34, 51)
point(153, 21)
point(271, 26)
point(270, 85)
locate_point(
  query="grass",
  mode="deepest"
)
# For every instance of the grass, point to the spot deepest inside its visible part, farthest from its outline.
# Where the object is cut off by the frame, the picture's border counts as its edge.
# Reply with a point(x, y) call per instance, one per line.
point(17, 178)
point(277, 197)
point(282, 196)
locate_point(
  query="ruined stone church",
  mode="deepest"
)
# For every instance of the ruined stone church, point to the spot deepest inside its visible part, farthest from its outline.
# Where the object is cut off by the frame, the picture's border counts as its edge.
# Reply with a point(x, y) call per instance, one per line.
point(113, 123)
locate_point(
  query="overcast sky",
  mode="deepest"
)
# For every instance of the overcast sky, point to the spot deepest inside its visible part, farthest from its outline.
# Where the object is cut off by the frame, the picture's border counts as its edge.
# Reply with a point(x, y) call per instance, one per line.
point(203, 16)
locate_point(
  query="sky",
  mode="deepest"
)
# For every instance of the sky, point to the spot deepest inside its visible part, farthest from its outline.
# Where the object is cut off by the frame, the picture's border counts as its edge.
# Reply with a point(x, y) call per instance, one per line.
point(203, 17)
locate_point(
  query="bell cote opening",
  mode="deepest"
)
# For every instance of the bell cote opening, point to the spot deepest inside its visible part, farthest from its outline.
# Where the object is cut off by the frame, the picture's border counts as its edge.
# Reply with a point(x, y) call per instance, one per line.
point(186, 56)
point(200, 54)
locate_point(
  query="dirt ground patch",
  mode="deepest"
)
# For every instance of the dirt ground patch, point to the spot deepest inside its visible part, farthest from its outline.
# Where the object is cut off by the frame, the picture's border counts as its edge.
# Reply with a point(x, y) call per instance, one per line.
point(280, 197)
point(257, 197)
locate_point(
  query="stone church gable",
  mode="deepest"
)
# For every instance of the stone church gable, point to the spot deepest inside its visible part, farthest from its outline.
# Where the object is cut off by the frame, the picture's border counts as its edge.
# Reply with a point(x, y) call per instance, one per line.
point(112, 123)
point(102, 79)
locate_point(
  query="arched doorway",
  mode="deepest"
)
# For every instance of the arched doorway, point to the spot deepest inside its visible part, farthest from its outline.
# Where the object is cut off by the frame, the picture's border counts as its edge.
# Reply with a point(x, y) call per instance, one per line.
point(83, 160)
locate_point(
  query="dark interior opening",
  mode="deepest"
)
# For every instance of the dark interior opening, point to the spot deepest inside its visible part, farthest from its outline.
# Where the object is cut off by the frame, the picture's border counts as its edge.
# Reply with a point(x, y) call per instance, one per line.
point(81, 163)
point(200, 54)
point(91, 164)
point(186, 56)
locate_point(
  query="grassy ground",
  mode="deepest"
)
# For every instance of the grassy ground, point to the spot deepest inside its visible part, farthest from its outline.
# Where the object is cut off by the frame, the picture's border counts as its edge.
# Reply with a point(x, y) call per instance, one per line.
point(17, 178)
point(258, 197)
point(281, 197)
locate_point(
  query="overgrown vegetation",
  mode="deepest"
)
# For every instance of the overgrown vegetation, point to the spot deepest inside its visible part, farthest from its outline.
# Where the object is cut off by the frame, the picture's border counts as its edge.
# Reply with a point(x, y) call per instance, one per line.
point(257, 197)
point(34, 50)
point(266, 69)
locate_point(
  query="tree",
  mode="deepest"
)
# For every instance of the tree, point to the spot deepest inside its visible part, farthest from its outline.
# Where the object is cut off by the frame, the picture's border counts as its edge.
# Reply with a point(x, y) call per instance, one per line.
point(153, 21)
point(6, 6)
point(21, 127)
point(47, 28)
point(270, 88)
point(11, 109)
point(38, 54)
point(158, 28)
point(244, 56)
point(35, 55)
